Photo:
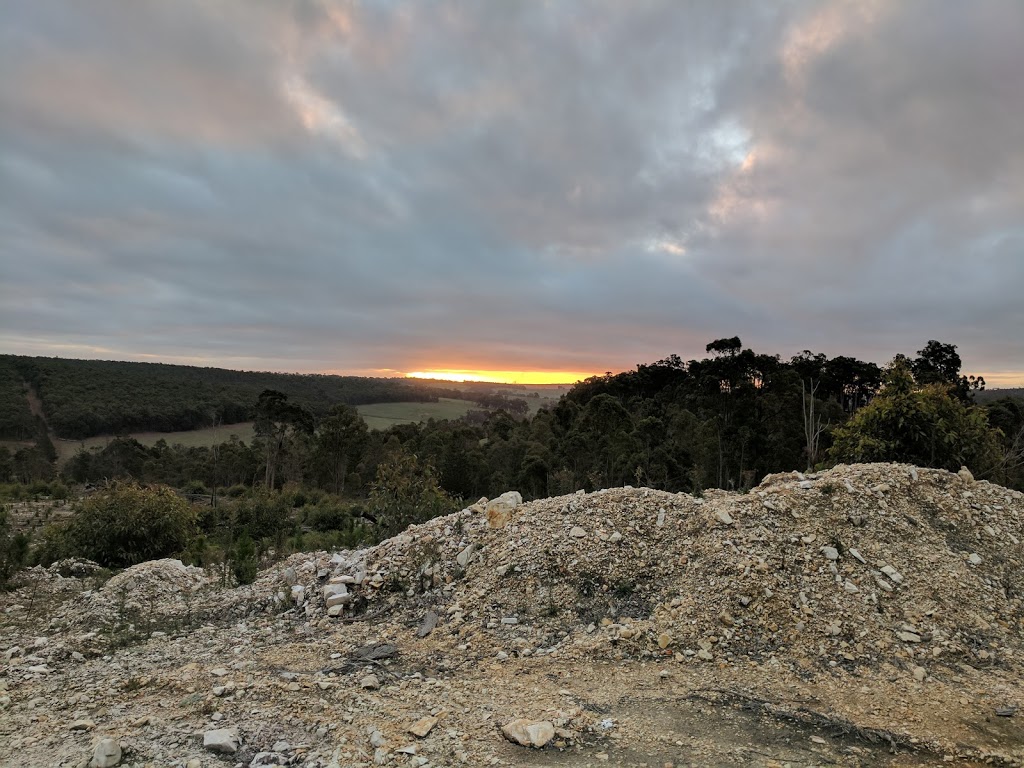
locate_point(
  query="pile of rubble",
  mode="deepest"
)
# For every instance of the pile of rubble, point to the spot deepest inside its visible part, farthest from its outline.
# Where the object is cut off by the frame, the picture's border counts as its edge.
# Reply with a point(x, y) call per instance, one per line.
point(891, 595)
point(850, 567)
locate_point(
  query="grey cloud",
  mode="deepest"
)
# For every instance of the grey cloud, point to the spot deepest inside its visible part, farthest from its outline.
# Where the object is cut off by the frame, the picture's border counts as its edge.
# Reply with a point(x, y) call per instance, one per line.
point(357, 185)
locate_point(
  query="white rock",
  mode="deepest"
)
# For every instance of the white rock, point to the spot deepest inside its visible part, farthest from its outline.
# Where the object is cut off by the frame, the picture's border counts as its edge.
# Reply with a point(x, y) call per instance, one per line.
point(577, 533)
point(723, 517)
point(830, 553)
point(370, 682)
point(224, 740)
point(893, 574)
point(107, 754)
point(856, 553)
point(464, 556)
point(974, 558)
point(529, 733)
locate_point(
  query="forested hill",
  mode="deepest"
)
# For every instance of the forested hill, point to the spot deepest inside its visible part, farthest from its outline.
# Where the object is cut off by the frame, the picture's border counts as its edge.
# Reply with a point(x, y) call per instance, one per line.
point(82, 398)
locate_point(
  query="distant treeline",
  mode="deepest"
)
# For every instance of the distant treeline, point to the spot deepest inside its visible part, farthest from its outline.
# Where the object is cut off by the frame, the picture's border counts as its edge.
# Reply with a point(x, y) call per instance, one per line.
point(83, 398)
point(724, 421)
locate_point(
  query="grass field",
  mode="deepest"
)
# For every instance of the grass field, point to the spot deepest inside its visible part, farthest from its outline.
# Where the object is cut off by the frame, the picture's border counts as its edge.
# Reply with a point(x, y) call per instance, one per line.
point(384, 415)
point(377, 416)
point(192, 438)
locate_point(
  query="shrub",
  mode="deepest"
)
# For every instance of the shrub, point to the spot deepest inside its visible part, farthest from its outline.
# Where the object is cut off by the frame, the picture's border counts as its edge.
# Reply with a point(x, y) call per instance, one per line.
point(126, 524)
point(195, 487)
point(244, 563)
point(13, 549)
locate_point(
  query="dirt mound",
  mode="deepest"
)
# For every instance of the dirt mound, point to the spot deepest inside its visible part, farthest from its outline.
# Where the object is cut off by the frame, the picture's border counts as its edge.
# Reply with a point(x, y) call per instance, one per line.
point(818, 619)
point(858, 565)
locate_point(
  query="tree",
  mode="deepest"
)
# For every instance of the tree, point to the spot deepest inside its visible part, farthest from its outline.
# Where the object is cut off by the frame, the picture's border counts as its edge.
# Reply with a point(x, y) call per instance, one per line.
point(276, 420)
point(813, 428)
point(937, 363)
point(927, 426)
point(729, 347)
point(339, 442)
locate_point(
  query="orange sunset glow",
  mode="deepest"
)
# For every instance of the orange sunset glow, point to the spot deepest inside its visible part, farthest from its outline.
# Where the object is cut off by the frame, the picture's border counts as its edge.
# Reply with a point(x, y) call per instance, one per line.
point(504, 377)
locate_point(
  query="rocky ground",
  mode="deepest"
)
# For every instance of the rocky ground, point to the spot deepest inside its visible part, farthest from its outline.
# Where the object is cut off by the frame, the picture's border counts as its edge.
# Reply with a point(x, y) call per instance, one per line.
point(871, 615)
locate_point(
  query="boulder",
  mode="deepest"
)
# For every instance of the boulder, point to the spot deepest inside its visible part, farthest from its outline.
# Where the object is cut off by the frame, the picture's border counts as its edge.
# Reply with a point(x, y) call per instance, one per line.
point(529, 733)
point(223, 740)
point(499, 510)
point(107, 754)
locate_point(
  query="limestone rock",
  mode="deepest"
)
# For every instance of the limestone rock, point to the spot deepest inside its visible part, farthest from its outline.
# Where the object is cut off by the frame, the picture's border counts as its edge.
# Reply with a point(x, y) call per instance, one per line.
point(369, 682)
point(423, 726)
point(223, 740)
point(499, 510)
point(529, 733)
point(106, 754)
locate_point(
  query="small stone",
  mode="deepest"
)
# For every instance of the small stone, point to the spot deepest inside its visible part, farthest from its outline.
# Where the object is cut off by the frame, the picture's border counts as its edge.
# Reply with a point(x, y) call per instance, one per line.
point(82, 725)
point(920, 674)
point(974, 558)
point(369, 682)
point(427, 625)
point(856, 554)
point(107, 754)
point(465, 555)
point(268, 758)
point(966, 475)
point(577, 533)
point(664, 640)
point(223, 740)
point(892, 573)
point(830, 553)
point(850, 587)
point(615, 538)
point(423, 726)
point(377, 739)
point(705, 655)
point(529, 733)
point(909, 637)
point(723, 517)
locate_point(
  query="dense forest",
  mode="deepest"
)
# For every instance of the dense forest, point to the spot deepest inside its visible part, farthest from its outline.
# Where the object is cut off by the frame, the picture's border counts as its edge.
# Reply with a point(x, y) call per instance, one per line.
point(724, 421)
point(316, 476)
point(82, 398)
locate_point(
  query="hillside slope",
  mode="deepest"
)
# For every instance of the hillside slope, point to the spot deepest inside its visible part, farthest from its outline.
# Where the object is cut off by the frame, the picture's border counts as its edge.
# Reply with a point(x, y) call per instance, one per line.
point(869, 615)
point(83, 398)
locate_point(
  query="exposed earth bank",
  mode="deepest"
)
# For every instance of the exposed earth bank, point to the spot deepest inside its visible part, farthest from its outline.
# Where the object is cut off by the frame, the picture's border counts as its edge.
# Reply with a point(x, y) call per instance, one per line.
point(870, 615)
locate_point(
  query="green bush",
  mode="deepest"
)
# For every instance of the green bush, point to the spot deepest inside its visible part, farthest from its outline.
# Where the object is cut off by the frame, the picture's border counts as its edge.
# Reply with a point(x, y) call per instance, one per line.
point(195, 487)
point(328, 516)
point(126, 524)
point(13, 549)
point(244, 563)
point(263, 514)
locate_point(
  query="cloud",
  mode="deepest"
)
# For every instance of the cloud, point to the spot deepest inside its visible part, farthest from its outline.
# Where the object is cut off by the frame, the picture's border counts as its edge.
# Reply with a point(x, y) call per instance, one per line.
point(359, 185)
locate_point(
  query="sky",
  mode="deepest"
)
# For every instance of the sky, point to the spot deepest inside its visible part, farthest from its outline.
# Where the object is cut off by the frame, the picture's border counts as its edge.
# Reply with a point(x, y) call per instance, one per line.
point(564, 187)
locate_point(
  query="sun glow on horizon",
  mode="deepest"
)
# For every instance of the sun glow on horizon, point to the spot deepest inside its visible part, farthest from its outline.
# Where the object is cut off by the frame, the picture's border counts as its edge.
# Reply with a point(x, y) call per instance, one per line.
point(503, 377)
